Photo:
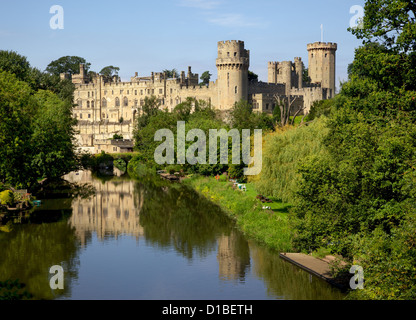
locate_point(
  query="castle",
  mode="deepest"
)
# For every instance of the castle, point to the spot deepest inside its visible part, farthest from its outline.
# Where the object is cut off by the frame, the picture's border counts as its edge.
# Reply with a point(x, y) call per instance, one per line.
point(105, 107)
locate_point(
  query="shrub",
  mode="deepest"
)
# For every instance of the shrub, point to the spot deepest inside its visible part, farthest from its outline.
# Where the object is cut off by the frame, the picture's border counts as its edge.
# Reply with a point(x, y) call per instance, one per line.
point(6, 198)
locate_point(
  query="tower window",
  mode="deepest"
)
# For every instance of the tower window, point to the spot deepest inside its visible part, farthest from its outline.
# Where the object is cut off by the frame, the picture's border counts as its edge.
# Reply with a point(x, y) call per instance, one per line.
point(228, 54)
point(235, 54)
point(236, 91)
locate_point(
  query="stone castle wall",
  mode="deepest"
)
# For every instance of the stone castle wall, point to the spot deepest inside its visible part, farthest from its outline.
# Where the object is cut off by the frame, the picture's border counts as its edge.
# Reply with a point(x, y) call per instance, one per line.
point(105, 107)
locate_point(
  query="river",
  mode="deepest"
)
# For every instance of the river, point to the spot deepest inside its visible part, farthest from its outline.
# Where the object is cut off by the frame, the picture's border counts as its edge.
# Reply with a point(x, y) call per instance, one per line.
point(145, 239)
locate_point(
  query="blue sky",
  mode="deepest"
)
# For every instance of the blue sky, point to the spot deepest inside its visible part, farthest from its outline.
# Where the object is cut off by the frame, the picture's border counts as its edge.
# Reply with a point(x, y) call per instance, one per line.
point(146, 36)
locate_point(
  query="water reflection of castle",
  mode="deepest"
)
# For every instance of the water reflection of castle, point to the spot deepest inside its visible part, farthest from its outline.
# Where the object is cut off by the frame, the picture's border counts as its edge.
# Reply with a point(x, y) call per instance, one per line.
point(111, 211)
point(233, 256)
point(114, 210)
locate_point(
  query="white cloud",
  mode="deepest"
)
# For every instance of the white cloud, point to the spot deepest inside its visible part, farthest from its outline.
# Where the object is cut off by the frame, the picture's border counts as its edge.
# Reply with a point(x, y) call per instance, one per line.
point(200, 4)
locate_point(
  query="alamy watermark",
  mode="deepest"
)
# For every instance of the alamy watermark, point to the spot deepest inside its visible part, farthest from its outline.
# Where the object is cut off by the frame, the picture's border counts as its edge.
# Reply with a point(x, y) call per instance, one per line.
point(57, 280)
point(165, 152)
point(356, 21)
point(57, 20)
point(357, 280)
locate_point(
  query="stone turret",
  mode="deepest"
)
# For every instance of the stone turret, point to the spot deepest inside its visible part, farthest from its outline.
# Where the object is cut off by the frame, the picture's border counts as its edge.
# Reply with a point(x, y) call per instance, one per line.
point(322, 64)
point(232, 65)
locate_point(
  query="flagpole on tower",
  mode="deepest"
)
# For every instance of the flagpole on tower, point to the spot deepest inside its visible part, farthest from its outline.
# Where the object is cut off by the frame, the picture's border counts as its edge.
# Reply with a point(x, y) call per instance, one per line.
point(322, 33)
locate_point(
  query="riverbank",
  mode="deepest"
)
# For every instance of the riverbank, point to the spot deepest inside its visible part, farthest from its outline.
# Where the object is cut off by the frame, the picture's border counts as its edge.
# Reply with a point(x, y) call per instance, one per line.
point(267, 226)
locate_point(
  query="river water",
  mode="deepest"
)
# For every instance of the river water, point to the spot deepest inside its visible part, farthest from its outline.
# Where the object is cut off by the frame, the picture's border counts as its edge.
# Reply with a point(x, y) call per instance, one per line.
point(145, 239)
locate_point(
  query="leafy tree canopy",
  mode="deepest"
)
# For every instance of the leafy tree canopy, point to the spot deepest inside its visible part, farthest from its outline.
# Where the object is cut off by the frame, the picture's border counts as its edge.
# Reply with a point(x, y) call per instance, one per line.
point(67, 64)
point(389, 22)
point(110, 71)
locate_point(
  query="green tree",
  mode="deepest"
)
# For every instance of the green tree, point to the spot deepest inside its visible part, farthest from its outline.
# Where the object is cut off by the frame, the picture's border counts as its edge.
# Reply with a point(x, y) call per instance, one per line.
point(14, 63)
point(67, 64)
point(171, 73)
point(17, 108)
point(389, 22)
point(205, 77)
point(252, 77)
point(110, 71)
point(305, 75)
point(53, 135)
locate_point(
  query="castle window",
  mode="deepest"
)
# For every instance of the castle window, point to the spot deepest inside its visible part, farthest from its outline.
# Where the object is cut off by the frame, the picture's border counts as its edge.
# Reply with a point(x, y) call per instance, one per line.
point(121, 91)
point(92, 104)
point(126, 102)
point(236, 90)
point(267, 106)
point(105, 92)
point(88, 94)
point(80, 115)
point(235, 54)
point(135, 92)
point(117, 102)
point(88, 104)
point(228, 54)
point(135, 102)
point(128, 91)
point(141, 92)
point(141, 102)
point(171, 90)
point(92, 94)
point(160, 91)
point(104, 102)
point(89, 115)
point(79, 102)
point(326, 55)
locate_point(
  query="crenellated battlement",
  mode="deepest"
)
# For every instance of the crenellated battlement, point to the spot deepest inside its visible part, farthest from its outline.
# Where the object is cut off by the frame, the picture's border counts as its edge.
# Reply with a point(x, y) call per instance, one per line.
point(322, 46)
point(230, 42)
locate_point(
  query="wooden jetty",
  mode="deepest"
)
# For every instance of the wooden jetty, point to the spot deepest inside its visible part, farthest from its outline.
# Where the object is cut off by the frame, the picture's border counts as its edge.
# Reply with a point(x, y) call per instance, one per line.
point(318, 267)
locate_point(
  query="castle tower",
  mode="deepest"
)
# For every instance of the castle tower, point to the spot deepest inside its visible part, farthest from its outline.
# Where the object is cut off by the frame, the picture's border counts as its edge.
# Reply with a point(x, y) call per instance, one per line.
point(232, 66)
point(322, 64)
point(299, 73)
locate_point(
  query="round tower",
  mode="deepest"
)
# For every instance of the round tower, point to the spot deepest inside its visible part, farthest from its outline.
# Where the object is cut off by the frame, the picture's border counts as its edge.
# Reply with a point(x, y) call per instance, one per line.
point(321, 67)
point(232, 66)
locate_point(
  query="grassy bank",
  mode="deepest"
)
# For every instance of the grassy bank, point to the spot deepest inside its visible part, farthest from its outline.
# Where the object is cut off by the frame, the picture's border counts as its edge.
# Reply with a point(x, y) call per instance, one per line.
point(269, 227)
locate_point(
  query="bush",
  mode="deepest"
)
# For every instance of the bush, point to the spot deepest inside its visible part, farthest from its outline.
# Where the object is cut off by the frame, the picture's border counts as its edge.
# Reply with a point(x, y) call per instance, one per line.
point(6, 198)
point(120, 164)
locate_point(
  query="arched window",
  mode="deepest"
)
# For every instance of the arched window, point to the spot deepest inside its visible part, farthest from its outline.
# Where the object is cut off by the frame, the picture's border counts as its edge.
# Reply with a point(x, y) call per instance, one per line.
point(117, 103)
point(104, 102)
point(125, 101)
point(88, 104)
